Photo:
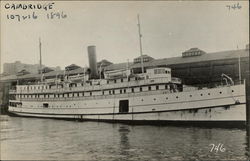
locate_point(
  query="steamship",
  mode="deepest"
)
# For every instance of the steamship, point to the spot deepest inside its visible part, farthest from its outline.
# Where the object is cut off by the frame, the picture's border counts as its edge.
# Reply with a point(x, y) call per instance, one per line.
point(150, 97)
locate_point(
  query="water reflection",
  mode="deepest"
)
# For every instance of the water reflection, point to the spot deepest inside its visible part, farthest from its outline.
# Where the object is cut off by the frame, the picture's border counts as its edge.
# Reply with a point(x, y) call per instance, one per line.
point(45, 139)
point(124, 140)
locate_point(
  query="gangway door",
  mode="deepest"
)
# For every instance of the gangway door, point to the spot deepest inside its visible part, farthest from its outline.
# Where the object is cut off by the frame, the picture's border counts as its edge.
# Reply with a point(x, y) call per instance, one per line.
point(123, 106)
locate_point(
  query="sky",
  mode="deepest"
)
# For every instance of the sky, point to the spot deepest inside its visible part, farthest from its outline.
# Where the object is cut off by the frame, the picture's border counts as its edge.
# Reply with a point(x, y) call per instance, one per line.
point(168, 28)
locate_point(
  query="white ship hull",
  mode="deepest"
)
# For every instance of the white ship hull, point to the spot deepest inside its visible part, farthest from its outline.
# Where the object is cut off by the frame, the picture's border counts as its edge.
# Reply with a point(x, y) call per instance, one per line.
point(225, 105)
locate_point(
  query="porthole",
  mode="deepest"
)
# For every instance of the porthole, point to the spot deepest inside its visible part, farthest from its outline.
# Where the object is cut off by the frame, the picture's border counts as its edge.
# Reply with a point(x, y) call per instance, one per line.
point(166, 98)
point(177, 97)
point(141, 99)
point(154, 99)
point(232, 90)
point(201, 94)
point(190, 95)
point(208, 93)
point(220, 92)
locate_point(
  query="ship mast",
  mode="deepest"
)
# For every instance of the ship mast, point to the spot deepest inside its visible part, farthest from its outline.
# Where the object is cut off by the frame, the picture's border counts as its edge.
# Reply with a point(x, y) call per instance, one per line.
point(140, 37)
point(40, 60)
point(239, 65)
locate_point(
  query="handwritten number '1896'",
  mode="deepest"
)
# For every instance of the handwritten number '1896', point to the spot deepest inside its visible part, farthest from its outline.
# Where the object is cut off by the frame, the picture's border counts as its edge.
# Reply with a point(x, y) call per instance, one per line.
point(57, 15)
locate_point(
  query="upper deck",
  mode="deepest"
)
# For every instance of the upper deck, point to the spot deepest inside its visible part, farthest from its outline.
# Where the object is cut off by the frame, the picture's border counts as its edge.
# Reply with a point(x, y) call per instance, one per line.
point(90, 86)
point(152, 77)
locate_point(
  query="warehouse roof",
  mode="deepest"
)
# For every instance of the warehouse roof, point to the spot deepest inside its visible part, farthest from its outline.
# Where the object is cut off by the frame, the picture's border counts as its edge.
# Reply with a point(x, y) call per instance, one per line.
point(38, 76)
point(202, 58)
point(118, 66)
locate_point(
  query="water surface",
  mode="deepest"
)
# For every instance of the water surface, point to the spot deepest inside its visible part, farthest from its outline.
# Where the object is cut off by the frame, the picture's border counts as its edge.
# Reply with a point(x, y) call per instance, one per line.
point(48, 139)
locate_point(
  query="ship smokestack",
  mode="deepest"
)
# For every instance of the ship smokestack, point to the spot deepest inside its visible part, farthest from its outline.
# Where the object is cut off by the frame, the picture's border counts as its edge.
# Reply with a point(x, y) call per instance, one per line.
point(92, 62)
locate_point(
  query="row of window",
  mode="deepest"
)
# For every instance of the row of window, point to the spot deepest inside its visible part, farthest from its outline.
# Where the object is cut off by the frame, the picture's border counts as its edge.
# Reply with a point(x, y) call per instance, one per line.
point(138, 60)
point(195, 53)
point(76, 84)
point(105, 92)
point(80, 94)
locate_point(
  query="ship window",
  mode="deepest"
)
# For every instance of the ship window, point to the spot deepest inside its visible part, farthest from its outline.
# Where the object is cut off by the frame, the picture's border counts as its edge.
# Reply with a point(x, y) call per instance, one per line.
point(115, 81)
point(102, 92)
point(232, 90)
point(190, 95)
point(140, 89)
point(45, 105)
point(208, 93)
point(166, 86)
point(157, 87)
point(132, 90)
point(201, 94)
point(82, 93)
point(166, 98)
point(120, 91)
point(149, 88)
point(177, 97)
point(121, 80)
point(220, 92)
point(113, 91)
point(90, 93)
point(154, 99)
point(123, 106)
point(109, 92)
point(124, 90)
point(107, 82)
